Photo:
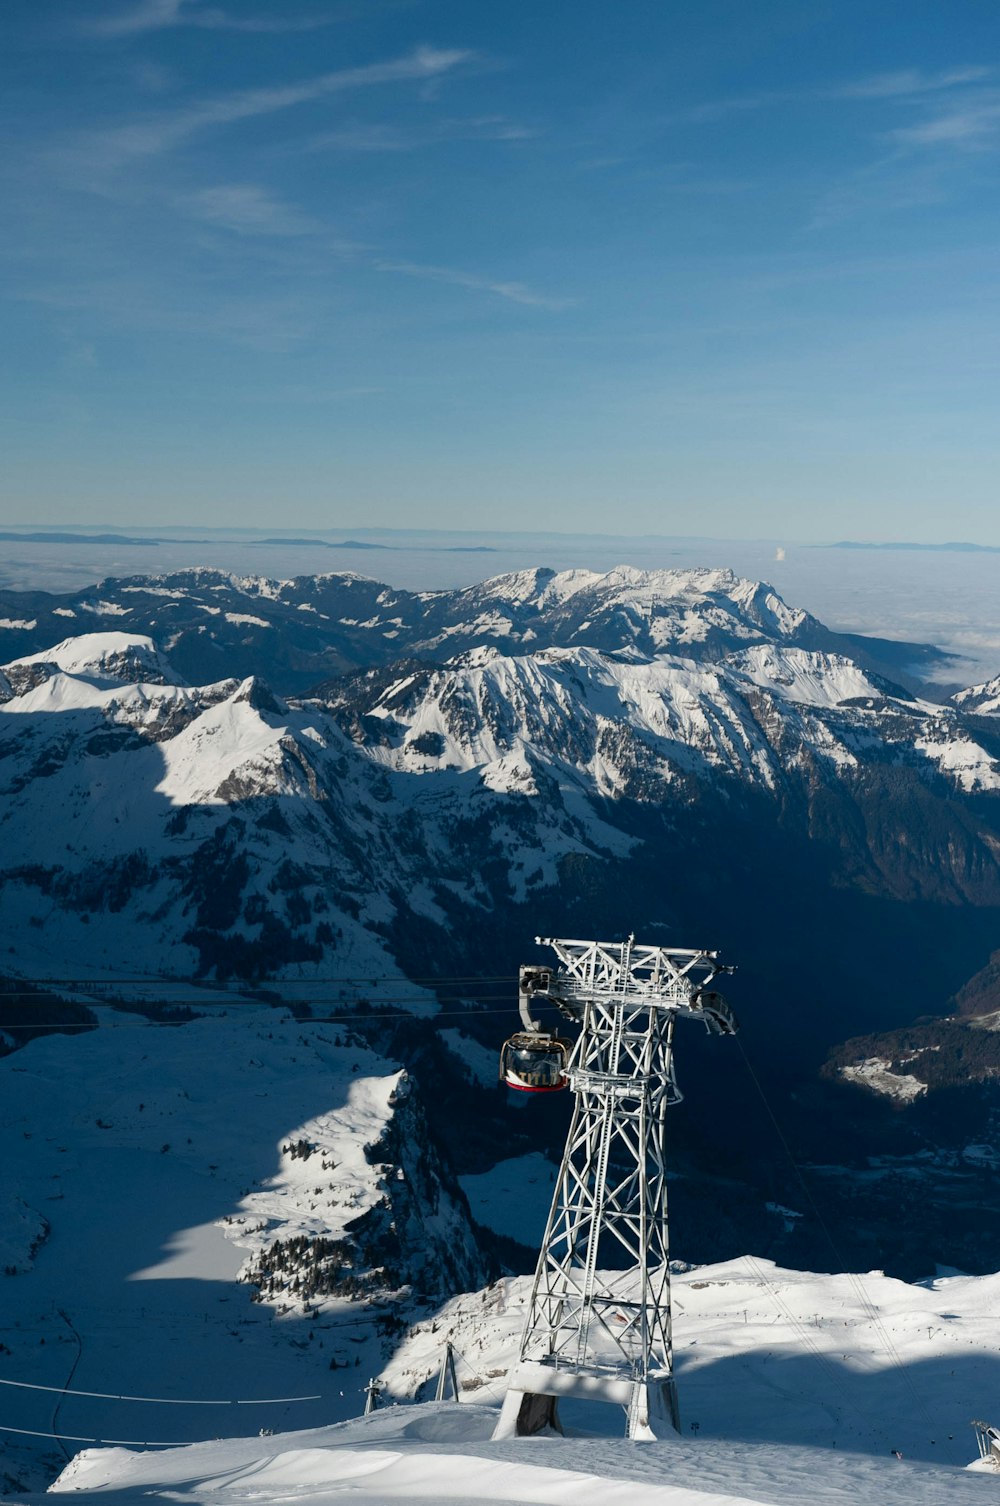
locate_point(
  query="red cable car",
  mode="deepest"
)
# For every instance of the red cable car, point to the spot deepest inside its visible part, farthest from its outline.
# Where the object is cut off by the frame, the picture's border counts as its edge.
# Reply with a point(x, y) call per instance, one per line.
point(535, 1063)
point(534, 1060)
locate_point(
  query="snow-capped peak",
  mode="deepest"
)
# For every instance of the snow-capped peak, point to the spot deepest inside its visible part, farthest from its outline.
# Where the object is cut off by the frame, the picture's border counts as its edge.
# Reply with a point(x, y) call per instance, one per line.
point(103, 658)
point(980, 700)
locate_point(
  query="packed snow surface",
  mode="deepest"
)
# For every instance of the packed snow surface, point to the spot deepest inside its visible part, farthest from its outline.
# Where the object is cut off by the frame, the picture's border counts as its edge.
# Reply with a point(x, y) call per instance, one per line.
point(441, 1452)
point(844, 1364)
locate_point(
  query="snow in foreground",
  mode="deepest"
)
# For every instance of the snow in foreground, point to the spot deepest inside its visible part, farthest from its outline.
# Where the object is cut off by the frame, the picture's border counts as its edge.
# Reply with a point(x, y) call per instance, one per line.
point(795, 1389)
point(441, 1452)
point(845, 1363)
point(144, 1166)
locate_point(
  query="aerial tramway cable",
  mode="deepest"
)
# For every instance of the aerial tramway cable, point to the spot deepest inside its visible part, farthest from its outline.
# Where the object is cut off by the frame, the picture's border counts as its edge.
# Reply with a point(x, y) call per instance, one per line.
point(165, 1401)
point(343, 1019)
point(231, 1001)
point(99, 1442)
point(219, 985)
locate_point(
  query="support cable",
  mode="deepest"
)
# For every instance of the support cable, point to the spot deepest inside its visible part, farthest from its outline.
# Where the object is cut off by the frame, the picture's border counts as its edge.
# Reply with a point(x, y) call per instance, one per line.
point(220, 986)
point(79, 1356)
point(101, 1442)
point(484, 1379)
point(344, 1019)
point(169, 1401)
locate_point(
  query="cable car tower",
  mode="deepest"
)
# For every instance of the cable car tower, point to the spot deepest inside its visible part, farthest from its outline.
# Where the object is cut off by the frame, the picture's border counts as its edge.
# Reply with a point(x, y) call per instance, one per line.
point(605, 1334)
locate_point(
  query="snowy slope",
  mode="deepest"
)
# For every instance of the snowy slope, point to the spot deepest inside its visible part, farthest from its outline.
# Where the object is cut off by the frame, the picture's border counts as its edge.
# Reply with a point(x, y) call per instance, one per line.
point(442, 1453)
point(705, 610)
point(861, 1364)
point(105, 657)
point(146, 863)
point(980, 700)
point(514, 1196)
point(802, 1387)
point(232, 1208)
point(630, 728)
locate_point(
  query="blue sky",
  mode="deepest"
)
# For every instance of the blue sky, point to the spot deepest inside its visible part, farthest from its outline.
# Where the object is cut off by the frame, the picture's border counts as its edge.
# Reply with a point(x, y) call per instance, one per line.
point(723, 268)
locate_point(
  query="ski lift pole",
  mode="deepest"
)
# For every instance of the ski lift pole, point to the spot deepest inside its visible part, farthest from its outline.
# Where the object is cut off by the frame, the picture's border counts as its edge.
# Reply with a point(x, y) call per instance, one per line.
point(988, 1439)
point(373, 1391)
point(447, 1370)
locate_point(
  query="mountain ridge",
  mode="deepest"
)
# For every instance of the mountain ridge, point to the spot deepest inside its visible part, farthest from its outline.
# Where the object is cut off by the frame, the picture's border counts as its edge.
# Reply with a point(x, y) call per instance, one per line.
point(211, 624)
point(425, 814)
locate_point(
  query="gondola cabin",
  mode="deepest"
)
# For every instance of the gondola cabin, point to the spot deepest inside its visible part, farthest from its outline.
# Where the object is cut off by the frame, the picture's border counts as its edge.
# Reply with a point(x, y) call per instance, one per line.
point(535, 1063)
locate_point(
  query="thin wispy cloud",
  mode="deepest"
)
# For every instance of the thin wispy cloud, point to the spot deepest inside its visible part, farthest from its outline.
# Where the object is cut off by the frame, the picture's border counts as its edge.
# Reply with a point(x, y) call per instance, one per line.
point(973, 126)
point(955, 107)
point(920, 167)
point(246, 209)
point(160, 15)
point(513, 292)
point(916, 168)
point(378, 136)
point(906, 83)
point(155, 134)
point(312, 395)
point(887, 186)
point(267, 322)
point(909, 82)
point(151, 15)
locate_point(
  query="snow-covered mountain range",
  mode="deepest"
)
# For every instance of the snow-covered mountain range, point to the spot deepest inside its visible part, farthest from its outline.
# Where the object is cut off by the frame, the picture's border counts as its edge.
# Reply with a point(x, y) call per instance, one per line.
point(218, 828)
point(677, 752)
point(270, 853)
point(296, 632)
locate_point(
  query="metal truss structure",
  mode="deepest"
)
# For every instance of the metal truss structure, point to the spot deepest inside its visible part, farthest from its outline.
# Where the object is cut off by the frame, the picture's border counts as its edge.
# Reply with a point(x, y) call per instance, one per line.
point(599, 1325)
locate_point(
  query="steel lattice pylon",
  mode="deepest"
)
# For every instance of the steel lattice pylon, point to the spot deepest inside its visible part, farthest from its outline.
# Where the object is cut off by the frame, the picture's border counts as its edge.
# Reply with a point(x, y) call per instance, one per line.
point(590, 1330)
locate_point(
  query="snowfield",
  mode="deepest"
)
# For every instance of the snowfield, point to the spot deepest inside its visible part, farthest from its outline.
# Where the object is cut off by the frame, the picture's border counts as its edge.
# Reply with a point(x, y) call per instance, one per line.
point(848, 1364)
point(149, 1174)
point(876, 1073)
point(108, 657)
point(162, 1163)
point(440, 1452)
point(514, 1196)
